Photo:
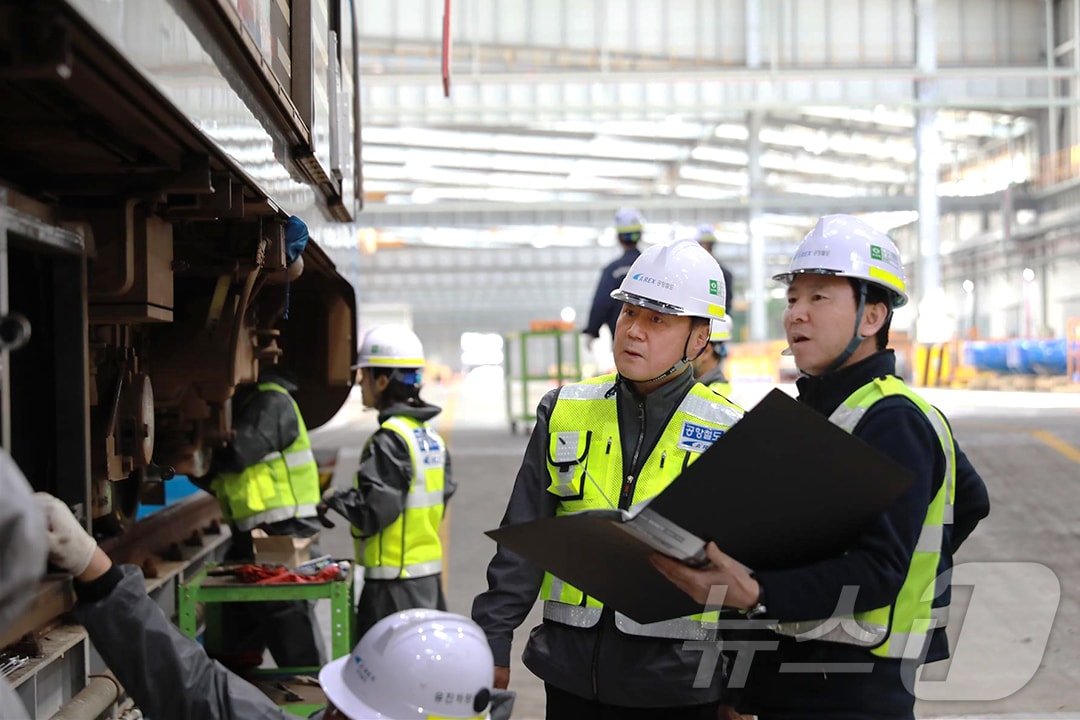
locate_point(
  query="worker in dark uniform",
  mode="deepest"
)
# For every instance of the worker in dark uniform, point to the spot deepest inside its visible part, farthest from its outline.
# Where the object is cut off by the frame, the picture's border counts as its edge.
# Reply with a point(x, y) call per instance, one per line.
point(844, 282)
point(266, 477)
point(629, 226)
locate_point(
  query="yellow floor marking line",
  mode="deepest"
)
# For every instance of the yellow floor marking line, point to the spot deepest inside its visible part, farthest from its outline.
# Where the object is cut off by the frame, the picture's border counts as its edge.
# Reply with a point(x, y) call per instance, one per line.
point(1068, 450)
point(446, 429)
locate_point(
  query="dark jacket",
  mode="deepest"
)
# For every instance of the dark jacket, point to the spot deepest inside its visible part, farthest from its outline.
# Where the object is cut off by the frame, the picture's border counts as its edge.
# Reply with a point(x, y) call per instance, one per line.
point(263, 422)
point(877, 563)
point(166, 673)
point(600, 662)
point(605, 310)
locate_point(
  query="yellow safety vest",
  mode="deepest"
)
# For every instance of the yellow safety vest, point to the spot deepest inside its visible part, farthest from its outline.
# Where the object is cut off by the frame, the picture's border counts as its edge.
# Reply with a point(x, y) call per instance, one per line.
point(283, 484)
point(410, 546)
point(585, 465)
point(722, 387)
point(901, 629)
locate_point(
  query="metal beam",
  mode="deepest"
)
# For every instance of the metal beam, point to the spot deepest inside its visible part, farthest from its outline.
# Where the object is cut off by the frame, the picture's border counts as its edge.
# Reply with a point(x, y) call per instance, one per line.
point(711, 94)
point(780, 76)
point(663, 209)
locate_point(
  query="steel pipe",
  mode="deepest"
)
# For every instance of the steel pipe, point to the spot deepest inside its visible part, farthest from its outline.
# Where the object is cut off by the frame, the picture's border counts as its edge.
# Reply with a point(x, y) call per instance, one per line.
point(93, 700)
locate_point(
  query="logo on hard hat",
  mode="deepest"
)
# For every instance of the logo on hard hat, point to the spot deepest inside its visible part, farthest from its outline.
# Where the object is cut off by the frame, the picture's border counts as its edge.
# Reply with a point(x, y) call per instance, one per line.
point(714, 287)
point(884, 255)
point(642, 277)
point(362, 670)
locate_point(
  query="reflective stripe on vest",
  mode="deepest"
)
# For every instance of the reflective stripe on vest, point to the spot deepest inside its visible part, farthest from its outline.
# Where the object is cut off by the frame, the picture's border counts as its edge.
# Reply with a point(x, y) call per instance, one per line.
point(410, 546)
point(901, 629)
point(585, 469)
point(280, 486)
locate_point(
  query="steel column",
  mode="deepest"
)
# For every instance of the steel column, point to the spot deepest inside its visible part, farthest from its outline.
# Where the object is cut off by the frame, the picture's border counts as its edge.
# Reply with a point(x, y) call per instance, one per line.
point(1052, 112)
point(756, 275)
point(927, 163)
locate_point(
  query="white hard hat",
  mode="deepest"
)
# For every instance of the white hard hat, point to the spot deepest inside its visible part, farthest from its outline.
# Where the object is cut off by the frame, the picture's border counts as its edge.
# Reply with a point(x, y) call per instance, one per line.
point(705, 234)
point(677, 279)
point(845, 246)
point(628, 220)
point(391, 346)
point(721, 329)
point(414, 664)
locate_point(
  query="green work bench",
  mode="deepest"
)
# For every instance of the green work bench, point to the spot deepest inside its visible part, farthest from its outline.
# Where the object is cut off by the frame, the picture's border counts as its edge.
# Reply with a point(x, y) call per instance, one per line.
point(206, 588)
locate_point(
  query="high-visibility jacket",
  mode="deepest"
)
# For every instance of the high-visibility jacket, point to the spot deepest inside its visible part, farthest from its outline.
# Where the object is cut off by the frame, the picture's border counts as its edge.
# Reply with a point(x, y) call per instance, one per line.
point(716, 380)
point(410, 546)
point(901, 629)
point(283, 484)
point(585, 465)
point(721, 386)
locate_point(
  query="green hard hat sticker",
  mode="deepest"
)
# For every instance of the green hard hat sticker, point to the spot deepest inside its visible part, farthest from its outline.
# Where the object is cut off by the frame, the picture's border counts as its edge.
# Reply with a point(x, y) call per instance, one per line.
point(875, 252)
point(714, 287)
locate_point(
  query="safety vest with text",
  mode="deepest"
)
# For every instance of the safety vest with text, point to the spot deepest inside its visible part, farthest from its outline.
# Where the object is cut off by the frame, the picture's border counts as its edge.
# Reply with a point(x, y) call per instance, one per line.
point(410, 546)
point(585, 466)
point(283, 484)
point(901, 629)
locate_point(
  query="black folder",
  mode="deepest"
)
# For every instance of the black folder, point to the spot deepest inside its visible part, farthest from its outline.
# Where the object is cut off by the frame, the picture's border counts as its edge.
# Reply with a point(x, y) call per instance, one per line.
point(782, 488)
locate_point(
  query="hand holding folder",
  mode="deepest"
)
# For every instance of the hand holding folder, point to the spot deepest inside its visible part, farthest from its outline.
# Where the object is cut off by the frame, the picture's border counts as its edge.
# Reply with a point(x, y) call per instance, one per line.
point(784, 487)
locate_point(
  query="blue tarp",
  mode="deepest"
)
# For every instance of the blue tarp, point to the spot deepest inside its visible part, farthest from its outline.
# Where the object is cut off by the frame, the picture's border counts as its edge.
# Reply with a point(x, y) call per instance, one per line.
point(178, 487)
point(1027, 357)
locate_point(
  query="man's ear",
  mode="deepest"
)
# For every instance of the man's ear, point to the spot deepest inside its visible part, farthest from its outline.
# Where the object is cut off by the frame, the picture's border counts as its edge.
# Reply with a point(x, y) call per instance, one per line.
point(380, 383)
point(699, 337)
point(874, 316)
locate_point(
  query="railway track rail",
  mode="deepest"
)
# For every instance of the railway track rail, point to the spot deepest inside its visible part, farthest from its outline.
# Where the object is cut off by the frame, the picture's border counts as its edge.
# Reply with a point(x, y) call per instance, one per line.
point(53, 659)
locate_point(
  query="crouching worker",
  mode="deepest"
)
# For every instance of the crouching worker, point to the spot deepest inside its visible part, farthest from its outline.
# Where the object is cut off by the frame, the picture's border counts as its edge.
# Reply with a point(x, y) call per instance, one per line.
point(418, 663)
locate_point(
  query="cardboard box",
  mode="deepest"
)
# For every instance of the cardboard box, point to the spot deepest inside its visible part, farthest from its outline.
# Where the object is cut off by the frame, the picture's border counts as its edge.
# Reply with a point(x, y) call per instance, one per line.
point(281, 549)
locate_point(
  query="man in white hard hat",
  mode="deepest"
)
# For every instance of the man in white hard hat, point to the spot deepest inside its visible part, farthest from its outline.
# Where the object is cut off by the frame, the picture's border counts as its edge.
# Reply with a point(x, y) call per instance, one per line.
point(419, 663)
point(709, 366)
point(644, 424)
point(401, 486)
point(629, 225)
point(844, 282)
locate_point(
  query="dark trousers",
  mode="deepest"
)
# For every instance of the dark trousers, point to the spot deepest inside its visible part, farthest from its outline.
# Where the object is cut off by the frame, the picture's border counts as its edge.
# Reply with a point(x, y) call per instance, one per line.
point(287, 628)
point(383, 598)
point(562, 705)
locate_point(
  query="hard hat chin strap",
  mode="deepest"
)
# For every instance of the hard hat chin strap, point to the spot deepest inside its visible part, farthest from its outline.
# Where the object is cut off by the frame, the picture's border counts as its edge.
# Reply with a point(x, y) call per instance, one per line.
point(856, 338)
point(670, 371)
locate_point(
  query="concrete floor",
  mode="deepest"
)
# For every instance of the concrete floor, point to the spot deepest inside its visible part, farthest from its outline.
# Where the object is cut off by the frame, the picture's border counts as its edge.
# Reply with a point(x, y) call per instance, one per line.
point(1017, 614)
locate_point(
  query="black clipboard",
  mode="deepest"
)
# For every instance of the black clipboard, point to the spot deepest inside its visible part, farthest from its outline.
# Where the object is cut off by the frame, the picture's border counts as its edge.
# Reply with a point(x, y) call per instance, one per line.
point(782, 488)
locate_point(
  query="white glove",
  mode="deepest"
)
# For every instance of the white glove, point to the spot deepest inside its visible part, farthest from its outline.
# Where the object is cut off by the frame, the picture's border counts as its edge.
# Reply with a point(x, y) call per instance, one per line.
point(70, 546)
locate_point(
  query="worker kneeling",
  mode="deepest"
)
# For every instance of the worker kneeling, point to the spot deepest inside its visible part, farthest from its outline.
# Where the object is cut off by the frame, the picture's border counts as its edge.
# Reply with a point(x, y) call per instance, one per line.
point(417, 663)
